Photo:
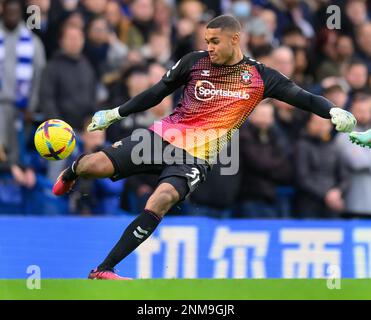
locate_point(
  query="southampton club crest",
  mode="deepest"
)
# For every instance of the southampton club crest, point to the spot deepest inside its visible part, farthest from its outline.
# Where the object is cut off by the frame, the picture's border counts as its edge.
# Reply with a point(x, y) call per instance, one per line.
point(246, 77)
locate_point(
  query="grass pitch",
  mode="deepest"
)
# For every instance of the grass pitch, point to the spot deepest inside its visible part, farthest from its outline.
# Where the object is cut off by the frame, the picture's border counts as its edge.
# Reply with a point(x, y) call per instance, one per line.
point(187, 289)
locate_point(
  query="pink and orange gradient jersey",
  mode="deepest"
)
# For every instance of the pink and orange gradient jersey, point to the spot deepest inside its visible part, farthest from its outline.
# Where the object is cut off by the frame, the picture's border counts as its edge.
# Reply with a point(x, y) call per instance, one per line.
point(216, 100)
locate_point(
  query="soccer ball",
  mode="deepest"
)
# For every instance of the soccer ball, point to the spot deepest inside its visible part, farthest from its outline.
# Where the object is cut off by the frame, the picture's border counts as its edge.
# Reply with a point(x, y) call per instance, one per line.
point(54, 139)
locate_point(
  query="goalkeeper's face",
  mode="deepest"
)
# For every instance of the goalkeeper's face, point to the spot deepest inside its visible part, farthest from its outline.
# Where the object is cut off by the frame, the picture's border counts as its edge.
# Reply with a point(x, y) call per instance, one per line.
point(221, 45)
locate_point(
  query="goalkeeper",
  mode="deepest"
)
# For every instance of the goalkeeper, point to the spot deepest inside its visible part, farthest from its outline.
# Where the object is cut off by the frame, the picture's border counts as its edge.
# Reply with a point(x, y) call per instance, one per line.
point(221, 88)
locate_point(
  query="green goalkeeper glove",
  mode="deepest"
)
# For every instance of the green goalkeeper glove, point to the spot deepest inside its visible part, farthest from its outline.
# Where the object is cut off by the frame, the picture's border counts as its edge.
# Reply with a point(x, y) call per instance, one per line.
point(343, 120)
point(363, 139)
point(103, 119)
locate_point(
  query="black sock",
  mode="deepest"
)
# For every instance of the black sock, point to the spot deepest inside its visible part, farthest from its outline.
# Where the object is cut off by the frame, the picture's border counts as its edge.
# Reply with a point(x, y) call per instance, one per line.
point(136, 233)
point(70, 173)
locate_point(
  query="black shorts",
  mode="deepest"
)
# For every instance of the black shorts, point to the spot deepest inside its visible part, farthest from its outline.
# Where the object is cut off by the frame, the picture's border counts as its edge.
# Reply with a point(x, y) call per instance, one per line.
point(147, 152)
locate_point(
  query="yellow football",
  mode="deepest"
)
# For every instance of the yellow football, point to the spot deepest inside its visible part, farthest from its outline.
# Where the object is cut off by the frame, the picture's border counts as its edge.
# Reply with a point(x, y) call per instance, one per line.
point(54, 139)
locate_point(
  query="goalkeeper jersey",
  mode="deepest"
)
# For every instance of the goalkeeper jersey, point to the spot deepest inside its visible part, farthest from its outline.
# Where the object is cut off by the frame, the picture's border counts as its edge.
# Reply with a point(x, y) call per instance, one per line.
point(216, 100)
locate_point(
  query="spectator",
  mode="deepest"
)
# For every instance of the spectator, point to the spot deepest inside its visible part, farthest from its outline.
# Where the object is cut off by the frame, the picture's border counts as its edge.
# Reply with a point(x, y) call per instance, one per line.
point(22, 59)
point(184, 38)
point(115, 19)
point(258, 33)
point(134, 57)
point(68, 86)
point(263, 54)
point(355, 16)
point(364, 44)
point(163, 17)
point(47, 31)
point(333, 66)
point(292, 12)
point(241, 9)
point(321, 175)
point(289, 122)
point(189, 28)
point(59, 12)
point(337, 95)
point(92, 9)
point(18, 43)
point(155, 72)
point(294, 38)
point(320, 16)
point(74, 19)
point(356, 76)
point(141, 23)
point(270, 20)
point(326, 51)
point(59, 8)
point(102, 48)
point(10, 164)
point(68, 83)
point(192, 10)
point(263, 164)
point(158, 49)
point(199, 37)
point(283, 61)
point(358, 196)
point(344, 48)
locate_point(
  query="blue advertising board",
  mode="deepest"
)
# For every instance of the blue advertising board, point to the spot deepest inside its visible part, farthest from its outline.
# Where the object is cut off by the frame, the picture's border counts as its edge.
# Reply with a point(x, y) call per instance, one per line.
point(188, 247)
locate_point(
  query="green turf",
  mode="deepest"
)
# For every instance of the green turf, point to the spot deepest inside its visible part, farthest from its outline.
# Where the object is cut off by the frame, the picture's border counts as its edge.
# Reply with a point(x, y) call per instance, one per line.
point(189, 289)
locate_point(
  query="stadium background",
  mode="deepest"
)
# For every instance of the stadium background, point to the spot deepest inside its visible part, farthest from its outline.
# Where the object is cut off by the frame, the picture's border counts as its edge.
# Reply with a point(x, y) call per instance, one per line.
point(292, 212)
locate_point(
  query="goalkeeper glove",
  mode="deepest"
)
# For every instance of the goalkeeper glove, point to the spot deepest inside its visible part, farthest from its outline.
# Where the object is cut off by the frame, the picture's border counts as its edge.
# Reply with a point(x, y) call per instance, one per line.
point(343, 120)
point(103, 119)
point(363, 139)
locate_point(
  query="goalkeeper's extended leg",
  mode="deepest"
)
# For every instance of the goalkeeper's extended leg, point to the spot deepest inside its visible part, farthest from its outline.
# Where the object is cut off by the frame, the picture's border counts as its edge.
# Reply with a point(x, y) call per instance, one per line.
point(95, 165)
point(160, 202)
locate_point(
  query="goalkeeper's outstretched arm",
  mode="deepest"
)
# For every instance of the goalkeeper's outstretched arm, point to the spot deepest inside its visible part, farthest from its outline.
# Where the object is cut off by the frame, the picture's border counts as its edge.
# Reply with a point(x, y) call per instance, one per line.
point(280, 87)
point(143, 101)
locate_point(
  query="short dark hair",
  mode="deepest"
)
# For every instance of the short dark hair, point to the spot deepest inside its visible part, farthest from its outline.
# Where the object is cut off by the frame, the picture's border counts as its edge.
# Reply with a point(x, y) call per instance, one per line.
point(292, 29)
point(224, 22)
point(362, 95)
point(261, 51)
point(355, 62)
point(134, 69)
point(65, 27)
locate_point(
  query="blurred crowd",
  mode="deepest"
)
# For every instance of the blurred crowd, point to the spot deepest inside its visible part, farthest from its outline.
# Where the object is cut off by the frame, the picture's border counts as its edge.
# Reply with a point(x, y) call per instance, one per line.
point(70, 58)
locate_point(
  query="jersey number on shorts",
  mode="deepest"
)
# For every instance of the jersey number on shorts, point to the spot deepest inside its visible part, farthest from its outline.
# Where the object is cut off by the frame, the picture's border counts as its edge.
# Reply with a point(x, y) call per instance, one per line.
point(195, 176)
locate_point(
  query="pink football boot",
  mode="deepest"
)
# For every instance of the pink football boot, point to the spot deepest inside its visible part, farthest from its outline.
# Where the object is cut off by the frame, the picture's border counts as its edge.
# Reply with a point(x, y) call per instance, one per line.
point(61, 186)
point(105, 275)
